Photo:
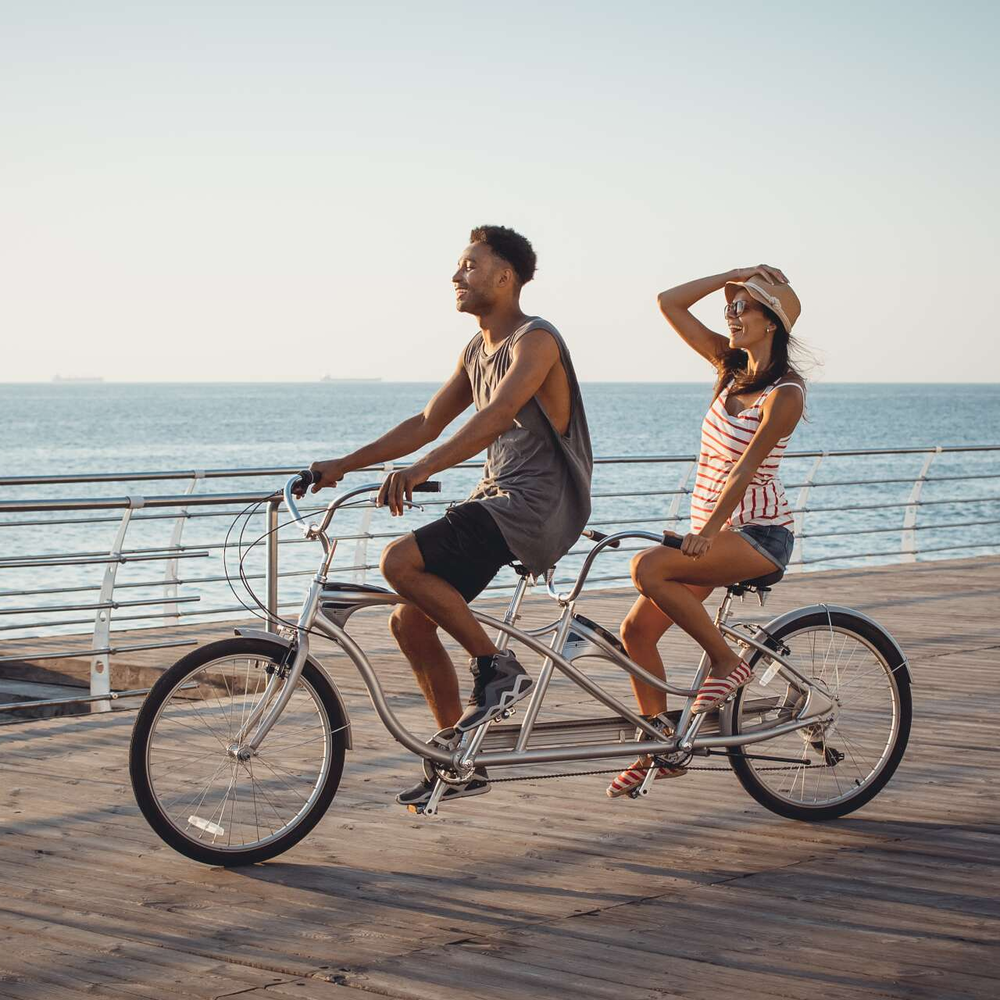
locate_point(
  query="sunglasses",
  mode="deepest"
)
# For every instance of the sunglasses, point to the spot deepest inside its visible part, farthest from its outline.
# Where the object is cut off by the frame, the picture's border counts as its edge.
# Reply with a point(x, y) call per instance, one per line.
point(737, 307)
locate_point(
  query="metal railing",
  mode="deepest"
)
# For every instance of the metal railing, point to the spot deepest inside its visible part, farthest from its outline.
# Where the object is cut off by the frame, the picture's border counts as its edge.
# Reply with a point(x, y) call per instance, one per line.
point(864, 506)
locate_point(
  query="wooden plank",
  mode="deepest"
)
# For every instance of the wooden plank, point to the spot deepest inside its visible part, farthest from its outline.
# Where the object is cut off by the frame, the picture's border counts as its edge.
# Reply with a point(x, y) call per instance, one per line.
point(542, 887)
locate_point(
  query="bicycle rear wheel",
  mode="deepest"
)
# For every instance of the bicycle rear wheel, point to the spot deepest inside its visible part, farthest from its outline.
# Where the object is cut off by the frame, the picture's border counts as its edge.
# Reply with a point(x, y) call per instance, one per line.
point(197, 790)
point(847, 762)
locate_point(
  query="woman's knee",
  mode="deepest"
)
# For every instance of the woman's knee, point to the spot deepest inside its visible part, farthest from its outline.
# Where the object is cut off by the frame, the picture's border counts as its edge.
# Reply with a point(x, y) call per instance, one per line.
point(646, 569)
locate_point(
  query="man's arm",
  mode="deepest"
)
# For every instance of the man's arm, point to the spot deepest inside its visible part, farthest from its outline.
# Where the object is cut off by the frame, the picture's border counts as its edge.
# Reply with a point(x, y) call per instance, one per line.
point(447, 403)
point(532, 358)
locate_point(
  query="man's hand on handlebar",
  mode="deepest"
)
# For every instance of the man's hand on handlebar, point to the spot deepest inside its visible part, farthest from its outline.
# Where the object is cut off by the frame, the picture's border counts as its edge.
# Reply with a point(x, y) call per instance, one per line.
point(398, 489)
point(325, 474)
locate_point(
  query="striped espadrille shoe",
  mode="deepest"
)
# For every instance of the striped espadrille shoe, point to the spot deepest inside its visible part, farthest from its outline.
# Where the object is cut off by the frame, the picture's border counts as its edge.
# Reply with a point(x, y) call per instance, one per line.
point(716, 690)
point(631, 778)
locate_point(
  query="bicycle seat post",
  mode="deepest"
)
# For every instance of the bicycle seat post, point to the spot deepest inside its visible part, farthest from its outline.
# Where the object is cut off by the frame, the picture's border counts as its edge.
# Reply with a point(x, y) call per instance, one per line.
point(722, 615)
point(513, 611)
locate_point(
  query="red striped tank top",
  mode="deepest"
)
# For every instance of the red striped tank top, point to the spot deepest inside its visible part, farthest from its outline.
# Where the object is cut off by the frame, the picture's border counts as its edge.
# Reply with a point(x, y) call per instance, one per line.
point(724, 438)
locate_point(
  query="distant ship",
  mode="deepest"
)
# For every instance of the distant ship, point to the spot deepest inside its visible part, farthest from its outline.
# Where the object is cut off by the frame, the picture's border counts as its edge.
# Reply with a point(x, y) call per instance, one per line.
point(330, 378)
point(77, 378)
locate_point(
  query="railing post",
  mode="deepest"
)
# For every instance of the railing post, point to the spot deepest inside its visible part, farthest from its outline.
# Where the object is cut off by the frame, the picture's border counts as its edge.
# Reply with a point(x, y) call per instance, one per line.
point(170, 578)
point(908, 546)
point(800, 512)
point(361, 546)
point(100, 663)
point(271, 563)
point(683, 491)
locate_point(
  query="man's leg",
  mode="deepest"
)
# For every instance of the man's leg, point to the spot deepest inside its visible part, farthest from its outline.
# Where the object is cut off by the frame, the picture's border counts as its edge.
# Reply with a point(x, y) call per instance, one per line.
point(416, 635)
point(403, 568)
point(439, 569)
point(415, 631)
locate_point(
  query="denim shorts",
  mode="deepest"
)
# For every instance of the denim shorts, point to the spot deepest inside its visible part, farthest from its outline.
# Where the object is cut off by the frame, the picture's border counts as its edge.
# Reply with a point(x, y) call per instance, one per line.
point(769, 540)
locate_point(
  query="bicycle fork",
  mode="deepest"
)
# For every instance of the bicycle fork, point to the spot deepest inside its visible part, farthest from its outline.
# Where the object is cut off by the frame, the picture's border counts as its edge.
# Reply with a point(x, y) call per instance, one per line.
point(282, 681)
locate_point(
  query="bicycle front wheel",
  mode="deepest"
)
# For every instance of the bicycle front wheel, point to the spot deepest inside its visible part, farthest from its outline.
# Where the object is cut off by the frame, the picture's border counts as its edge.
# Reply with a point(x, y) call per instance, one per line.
point(202, 790)
point(846, 762)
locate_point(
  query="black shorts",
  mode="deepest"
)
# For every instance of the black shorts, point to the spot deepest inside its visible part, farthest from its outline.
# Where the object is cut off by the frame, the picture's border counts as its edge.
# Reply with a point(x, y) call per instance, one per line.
point(465, 548)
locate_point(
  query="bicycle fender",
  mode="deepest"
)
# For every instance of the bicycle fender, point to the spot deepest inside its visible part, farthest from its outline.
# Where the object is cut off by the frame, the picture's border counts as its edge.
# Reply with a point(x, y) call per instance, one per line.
point(281, 640)
point(902, 664)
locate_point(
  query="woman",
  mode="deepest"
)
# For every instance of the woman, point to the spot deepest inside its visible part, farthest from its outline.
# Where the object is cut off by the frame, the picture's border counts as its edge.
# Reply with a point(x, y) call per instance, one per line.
point(740, 520)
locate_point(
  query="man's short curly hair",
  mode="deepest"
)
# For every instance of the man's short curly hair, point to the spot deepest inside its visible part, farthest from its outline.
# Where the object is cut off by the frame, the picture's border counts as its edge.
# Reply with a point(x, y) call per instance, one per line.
point(511, 246)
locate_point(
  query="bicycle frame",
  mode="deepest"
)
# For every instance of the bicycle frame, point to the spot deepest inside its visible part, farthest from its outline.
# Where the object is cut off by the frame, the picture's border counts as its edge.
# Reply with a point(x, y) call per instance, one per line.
point(327, 608)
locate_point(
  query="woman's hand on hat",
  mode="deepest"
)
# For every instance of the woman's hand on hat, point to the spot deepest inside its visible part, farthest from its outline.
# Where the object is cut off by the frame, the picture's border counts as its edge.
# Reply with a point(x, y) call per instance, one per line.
point(772, 275)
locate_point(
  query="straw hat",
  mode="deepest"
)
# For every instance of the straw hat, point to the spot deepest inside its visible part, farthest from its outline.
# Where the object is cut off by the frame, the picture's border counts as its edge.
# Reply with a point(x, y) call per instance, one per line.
point(780, 299)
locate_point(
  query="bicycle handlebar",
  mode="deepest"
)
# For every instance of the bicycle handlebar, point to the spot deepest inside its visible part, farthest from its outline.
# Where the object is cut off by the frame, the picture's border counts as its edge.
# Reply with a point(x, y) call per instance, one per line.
point(300, 483)
point(608, 541)
point(598, 536)
point(306, 478)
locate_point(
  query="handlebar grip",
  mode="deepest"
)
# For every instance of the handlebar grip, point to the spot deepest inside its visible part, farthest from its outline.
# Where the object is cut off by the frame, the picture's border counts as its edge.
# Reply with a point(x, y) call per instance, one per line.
point(672, 541)
point(431, 486)
point(306, 478)
point(598, 536)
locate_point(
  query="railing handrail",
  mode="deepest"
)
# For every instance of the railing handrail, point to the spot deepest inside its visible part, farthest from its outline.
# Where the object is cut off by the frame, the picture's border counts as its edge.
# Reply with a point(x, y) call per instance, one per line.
point(128, 477)
point(182, 507)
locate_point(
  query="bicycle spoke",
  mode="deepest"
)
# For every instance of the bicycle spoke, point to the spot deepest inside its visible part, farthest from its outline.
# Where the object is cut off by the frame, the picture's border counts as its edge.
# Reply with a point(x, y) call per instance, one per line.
point(313, 739)
point(253, 793)
point(280, 778)
point(177, 722)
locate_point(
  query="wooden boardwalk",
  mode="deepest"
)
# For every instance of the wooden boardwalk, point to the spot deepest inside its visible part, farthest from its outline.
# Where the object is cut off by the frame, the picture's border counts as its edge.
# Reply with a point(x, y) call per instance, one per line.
point(542, 888)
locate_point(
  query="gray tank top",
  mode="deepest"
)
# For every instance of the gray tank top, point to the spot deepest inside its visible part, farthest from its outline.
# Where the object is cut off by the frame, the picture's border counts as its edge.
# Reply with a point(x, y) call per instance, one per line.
point(536, 481)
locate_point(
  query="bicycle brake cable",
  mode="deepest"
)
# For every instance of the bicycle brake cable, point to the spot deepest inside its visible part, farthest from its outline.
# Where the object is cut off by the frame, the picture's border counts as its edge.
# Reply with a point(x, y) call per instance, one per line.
point(272, 618)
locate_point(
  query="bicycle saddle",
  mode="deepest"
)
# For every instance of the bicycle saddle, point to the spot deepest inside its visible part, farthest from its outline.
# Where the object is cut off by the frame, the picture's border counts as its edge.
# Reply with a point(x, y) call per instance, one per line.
point(760, 583)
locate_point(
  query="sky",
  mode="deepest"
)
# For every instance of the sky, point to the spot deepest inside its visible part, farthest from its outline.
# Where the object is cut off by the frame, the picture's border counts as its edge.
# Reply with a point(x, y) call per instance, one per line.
point(279, 191)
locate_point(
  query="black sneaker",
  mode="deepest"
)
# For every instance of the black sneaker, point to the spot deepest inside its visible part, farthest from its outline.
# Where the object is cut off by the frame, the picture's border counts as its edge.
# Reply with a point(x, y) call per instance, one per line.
point(420, 793)
point(500, 681)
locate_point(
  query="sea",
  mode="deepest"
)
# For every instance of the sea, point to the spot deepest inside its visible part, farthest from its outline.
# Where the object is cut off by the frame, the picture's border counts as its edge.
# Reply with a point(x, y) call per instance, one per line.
point(855, 513)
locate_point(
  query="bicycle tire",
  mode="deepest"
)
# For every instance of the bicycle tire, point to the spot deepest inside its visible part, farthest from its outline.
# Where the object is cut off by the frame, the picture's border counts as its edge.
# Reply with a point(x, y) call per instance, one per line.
point(159, 695)
point(876, 639)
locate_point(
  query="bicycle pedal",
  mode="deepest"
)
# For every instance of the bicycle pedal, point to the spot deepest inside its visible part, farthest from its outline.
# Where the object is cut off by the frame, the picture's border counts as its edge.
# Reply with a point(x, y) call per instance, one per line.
point(422, 810)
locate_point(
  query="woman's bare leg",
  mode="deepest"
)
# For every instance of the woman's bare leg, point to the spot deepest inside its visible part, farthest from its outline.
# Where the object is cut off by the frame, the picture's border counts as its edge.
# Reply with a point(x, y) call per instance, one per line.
point(641, 630)
point(665, 576)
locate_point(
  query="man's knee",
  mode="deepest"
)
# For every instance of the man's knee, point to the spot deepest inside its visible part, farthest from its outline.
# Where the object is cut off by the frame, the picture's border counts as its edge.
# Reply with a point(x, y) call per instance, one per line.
point(408, 622)
point(398, 559)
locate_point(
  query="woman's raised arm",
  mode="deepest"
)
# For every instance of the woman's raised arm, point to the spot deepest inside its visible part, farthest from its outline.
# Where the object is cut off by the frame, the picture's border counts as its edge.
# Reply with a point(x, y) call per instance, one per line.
point(675, 304)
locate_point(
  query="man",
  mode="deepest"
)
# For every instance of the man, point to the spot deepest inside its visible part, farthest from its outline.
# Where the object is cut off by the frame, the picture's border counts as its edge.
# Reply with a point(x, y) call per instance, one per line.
point(531, 504)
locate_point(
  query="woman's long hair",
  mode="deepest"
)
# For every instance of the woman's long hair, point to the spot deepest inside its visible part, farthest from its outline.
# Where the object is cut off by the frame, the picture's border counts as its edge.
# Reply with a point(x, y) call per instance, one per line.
point(732, 363)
